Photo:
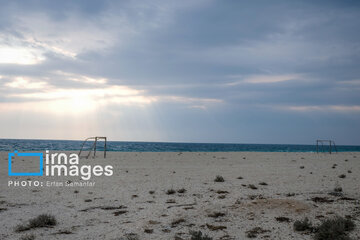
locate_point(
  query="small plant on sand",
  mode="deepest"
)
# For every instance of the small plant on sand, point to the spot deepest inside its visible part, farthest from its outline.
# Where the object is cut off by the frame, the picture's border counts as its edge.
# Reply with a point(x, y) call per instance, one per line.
point(130, 236)
point(170, 191)
point(337, 192)
point(283, 219)
point(43, 220)
point(177, 222)
point(181, 190)
point(219, 178)
point(148, 230)
point(198, 235)
point(21, 228)
point(216, 214)
point(28, 237)
point(302, 225)
point(254, 232)
point(252, 186)
point(335, 229)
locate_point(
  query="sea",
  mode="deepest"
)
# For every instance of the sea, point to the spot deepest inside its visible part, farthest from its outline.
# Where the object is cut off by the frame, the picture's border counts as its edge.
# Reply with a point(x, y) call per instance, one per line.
point(10, 145)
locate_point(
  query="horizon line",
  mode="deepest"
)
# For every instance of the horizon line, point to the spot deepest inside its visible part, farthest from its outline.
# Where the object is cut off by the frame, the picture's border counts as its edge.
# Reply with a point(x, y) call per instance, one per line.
point(185, 142)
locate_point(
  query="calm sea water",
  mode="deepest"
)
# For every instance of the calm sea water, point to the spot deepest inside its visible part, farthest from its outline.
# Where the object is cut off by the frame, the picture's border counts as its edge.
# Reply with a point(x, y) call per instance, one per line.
point(119, 146)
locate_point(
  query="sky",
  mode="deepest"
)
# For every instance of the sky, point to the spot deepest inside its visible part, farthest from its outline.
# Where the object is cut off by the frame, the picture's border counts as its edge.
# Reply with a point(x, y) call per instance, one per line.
point(181, 71)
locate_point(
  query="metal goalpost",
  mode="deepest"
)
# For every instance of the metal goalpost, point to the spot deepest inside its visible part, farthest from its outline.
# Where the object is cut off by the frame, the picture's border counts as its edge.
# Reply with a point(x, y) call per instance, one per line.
point(93, 148)
point(320, 145)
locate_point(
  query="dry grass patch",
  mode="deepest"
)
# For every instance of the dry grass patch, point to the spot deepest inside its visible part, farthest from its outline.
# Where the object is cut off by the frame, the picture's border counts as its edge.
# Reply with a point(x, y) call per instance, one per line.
point(28, 237)
point(170, 191)
point(303, 225)
point(334, 229)
point(219, 178)
point(216, 214)
point(198, 235)
point(43, 220)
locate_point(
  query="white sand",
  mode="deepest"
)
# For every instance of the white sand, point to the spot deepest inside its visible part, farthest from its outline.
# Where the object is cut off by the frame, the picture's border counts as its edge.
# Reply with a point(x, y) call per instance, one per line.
point(139, 173)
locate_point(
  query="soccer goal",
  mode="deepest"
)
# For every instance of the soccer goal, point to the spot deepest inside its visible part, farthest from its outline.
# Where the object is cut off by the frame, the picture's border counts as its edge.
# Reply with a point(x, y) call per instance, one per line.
point(87, 143)
point(325, 146)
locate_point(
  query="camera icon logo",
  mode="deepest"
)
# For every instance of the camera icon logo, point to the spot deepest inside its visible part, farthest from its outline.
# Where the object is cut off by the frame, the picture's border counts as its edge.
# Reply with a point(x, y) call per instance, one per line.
point(16, 153)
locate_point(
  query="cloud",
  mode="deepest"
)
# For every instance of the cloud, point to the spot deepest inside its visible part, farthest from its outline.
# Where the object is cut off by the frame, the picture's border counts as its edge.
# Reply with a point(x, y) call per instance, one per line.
point(355, 82)
point(95, 93)
point(43, 95)
point(82, 78)
point(258, 79)
point(23, 83)
point(14, 51)
point(322, 108)
point(186, 61)
point(68, 38)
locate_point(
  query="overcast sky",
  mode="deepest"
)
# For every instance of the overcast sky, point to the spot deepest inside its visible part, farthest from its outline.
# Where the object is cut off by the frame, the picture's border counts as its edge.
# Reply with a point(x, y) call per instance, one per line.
point(185, 71)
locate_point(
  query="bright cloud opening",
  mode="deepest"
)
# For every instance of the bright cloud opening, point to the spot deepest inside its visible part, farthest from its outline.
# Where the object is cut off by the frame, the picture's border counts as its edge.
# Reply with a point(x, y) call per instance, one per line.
point(271, 78)
point(24, 83)
point(319, 108)
point(20, 55)
point(258, 79)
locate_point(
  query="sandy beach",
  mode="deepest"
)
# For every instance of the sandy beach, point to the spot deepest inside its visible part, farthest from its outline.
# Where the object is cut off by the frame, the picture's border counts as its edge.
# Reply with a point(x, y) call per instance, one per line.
point(261, 97)
point(265, 190)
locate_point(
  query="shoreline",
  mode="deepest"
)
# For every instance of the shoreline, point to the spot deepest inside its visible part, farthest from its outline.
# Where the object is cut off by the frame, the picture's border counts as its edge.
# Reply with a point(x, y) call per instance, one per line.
point(124, 146)
point(100, 152)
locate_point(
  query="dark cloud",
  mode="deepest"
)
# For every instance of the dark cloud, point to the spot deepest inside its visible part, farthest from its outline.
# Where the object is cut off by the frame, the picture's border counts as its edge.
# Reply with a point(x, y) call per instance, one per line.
point(201, 50)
